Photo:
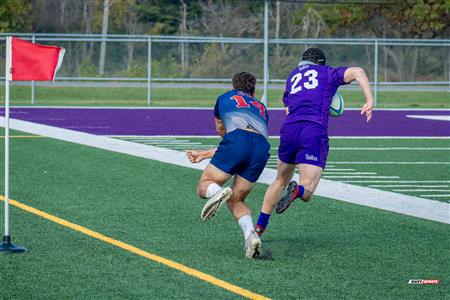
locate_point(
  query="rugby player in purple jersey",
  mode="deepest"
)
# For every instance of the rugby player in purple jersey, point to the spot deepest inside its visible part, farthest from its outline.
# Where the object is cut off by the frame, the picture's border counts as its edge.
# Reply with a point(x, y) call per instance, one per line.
point(241, 121)
point(303, 137)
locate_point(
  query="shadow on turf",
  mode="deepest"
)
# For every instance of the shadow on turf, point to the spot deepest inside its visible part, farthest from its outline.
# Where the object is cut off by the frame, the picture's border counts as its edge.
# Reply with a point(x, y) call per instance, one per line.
point(265, 255)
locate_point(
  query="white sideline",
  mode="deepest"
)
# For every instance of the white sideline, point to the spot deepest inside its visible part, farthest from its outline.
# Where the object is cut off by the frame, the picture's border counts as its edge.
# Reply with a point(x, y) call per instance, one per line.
point(403, 204)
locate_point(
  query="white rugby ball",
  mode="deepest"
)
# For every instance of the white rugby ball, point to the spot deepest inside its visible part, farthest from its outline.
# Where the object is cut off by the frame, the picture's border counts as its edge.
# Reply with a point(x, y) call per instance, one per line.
point(337, 105)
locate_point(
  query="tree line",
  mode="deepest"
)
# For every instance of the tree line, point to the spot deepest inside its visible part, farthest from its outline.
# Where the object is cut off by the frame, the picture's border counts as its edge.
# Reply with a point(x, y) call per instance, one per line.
point(416, 19)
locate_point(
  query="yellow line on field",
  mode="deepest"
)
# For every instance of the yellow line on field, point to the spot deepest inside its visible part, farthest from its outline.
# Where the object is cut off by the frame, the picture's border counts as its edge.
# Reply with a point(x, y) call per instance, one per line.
point(190, 271)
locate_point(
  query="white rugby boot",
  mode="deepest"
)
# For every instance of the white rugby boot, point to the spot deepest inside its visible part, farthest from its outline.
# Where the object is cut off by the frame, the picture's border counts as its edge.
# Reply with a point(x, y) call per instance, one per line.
point(252, 245)
point(214, 203)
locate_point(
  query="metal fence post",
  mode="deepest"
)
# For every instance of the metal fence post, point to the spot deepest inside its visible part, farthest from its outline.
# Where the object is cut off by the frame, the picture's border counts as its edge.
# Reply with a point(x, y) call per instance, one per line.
point(149, 71)
point(33, 40)
point(375, 74)
point(265, 98)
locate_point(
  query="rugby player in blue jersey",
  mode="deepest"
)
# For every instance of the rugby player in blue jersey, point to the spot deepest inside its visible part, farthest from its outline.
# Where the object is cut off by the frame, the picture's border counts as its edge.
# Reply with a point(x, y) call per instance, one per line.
point(304, 134)
point(241, 120)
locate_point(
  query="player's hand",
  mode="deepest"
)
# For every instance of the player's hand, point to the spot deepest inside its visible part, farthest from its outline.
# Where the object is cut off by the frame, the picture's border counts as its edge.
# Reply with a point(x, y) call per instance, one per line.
point(367, 110)
point(195, 156)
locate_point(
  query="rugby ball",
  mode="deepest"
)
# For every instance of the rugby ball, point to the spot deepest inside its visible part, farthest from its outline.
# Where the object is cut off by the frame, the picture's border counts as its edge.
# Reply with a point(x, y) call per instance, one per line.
point(337, 105)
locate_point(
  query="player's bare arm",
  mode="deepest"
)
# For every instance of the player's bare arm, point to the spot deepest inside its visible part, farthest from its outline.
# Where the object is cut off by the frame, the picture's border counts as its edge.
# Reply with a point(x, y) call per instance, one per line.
point(220, 128)
point(196, 156)
point(358, 74)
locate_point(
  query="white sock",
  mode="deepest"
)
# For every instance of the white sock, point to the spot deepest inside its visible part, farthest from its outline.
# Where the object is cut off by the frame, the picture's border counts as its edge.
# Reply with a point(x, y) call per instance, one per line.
point(246, 224)
point(212, 189)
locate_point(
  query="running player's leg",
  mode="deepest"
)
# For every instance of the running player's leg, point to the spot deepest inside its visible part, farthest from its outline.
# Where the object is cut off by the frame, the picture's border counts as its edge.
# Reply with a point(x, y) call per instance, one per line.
point(284, 175)
point(211, 181)
point(309, 179)
point(252, 167)
point(241, 188)
point(312, 159)
point(210, 187)
point(223, 165)
point(236, 204)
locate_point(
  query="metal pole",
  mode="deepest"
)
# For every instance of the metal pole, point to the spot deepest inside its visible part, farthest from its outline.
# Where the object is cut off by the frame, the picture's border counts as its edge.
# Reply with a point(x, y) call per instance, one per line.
point(375, 71)
point(149, 71)
point(265, 97)
point(6, 156)
point(33, 40)
point(7, 246)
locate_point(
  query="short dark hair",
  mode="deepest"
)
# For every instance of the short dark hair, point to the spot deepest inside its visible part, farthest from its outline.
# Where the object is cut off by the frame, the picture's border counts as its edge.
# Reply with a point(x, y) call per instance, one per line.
point(315, 55)
point(245, 82)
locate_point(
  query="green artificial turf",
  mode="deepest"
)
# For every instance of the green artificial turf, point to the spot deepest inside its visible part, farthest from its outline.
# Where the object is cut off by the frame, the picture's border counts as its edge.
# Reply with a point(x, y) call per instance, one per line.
point(337, 157)
point(324, 249)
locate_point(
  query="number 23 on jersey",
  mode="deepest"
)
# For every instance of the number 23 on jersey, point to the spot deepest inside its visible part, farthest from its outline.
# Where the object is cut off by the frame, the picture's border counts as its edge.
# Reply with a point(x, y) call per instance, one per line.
point(310, 83)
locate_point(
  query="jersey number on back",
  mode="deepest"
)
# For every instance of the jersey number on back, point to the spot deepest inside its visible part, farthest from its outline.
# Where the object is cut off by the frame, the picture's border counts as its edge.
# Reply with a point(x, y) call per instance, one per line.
point(240, 103)
point(312, 82)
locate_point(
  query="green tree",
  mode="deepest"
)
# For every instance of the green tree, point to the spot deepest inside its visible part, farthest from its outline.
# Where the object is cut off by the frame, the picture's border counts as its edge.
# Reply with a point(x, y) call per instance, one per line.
point(14, 16)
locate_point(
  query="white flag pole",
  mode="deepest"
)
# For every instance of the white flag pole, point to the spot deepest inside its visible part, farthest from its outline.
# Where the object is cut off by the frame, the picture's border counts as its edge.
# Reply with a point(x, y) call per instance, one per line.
point(7, 246)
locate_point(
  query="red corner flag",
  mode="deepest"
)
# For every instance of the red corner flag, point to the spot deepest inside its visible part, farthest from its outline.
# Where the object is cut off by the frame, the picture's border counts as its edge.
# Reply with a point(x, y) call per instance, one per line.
point(28, 61)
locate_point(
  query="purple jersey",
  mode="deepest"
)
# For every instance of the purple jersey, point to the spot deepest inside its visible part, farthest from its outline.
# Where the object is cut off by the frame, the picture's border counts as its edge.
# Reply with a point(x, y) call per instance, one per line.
point(309, 91)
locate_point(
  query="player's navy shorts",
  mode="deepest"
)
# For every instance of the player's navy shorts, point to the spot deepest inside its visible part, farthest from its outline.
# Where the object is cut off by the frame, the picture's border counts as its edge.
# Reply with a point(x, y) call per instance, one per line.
point(303, 142)
point(242, 152)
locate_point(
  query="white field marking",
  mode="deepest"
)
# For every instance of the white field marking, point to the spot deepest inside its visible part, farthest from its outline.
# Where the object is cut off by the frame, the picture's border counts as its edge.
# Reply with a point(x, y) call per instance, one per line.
point(358, 176)
point(397, 181)
point(403, 204)
point(430, 117)
point(348, 173)
point(392, 148)
point(392, 162)
point(406, 185)
point(337, 170)
point(420, 190)
point(440, 196)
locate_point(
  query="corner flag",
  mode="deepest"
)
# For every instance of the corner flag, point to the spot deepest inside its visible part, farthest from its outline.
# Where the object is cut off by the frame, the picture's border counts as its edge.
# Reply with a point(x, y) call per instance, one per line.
point(24, 61)
point(31, 61)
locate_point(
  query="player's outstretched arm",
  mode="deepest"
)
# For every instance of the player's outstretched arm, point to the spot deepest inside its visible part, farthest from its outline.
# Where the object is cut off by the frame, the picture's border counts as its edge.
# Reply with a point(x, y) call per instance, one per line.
point(196, 156)
point(358, 74)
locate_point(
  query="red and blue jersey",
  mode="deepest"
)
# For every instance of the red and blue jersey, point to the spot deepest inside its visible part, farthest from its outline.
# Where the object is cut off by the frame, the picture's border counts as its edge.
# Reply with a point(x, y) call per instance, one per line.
point(309, 91)
point(239, 110)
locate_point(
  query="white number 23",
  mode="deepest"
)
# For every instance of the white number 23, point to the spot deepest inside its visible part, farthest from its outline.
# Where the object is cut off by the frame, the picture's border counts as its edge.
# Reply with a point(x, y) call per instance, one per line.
point(310, 84)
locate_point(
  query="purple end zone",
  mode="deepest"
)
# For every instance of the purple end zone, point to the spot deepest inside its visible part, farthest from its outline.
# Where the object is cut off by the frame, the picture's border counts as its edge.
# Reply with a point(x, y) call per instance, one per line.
point(109, 121)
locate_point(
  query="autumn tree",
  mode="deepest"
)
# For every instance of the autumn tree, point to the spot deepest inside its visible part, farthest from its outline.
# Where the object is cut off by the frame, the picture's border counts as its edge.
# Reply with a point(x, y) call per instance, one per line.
point(14, 16)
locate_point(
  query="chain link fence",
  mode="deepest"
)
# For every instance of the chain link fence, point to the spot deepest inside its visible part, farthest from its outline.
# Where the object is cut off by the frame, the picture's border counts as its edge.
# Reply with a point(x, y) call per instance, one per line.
point(150, 63)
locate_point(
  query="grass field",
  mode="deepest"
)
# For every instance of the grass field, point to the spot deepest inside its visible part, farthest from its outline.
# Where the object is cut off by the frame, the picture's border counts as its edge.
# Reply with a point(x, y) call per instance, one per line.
point(114, 96)
point(325, 249)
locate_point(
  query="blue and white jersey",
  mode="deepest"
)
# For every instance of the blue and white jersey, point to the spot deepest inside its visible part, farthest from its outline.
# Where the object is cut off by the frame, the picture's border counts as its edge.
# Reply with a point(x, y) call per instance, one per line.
point(239, 110)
